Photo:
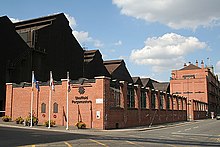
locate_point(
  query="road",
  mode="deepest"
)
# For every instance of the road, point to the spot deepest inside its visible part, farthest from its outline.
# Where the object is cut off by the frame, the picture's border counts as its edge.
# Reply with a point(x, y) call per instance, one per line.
point(199, 133)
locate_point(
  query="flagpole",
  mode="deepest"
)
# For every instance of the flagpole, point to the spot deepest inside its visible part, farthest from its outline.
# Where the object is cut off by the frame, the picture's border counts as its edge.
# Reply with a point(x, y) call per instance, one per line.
point(32, 97)
point(67, 102)
point(50, 95)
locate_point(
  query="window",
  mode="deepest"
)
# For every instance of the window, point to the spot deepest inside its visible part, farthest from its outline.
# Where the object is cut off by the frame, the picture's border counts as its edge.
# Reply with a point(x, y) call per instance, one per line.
point(130, 97)
point(168, 102)
point(43, 108)
point(55, 108)
point(161, 101)
point(189, 76)
point(143, 99)
point(153, 101)
point(115, 92)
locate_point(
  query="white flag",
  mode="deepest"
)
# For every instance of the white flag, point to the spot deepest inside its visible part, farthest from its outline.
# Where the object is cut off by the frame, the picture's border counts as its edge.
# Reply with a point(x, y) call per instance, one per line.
point(52, 82)
point(68, 82)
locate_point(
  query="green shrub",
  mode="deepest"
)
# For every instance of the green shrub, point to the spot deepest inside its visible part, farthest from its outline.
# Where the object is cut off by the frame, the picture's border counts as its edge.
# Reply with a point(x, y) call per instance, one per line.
point(6, 118)
point(80, 125)
point(19, 120)
point(52, 123)
point(34, 120)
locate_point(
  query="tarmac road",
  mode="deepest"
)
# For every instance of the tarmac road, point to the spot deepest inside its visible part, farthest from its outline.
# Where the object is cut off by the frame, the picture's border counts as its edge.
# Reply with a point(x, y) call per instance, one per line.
point(198, 133)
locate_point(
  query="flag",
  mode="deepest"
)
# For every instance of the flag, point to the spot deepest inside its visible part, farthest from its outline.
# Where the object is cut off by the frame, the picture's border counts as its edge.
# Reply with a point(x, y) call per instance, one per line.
point(34, 81)
point(64, 115)
point(69, 87)
point(52, 82)
point(68, 81)
point(37, 86)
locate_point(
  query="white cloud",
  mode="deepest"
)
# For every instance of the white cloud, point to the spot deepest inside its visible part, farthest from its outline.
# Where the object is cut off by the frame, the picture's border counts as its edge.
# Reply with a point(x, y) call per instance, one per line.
point(118, 43)
point(173, 13)
point(14, 20)
point(72, 21)
point(97, 43)
point(217, 68)
point(166, 52)
point(123, 57)
point(82, 36)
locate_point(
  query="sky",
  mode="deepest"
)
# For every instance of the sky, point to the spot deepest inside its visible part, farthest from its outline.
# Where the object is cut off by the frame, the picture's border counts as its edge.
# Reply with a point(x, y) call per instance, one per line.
point(153, 37)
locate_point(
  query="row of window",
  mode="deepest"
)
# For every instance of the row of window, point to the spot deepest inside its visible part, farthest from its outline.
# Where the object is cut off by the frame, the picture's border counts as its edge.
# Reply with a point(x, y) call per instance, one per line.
point(143, 98)
point(43, 108)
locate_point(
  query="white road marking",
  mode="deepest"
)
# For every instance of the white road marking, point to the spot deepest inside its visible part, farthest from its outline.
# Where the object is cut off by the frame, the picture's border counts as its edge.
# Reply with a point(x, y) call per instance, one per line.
point(191, 134)
point(188, 129)
point(135, 144)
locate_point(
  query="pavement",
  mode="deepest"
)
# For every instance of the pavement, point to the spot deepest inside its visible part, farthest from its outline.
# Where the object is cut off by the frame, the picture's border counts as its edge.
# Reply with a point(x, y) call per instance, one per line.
point(73, 129)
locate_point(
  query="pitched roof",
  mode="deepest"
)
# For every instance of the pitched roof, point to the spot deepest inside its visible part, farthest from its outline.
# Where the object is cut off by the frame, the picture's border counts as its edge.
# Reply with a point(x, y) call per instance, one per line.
point(40, 21)
point(11, 41)
point(164, 86)
point(190, 67)
point(89, 55)
point(118, 70)
point(93, 64)
point(112, 65)
point(147, 82)
point(137, 80)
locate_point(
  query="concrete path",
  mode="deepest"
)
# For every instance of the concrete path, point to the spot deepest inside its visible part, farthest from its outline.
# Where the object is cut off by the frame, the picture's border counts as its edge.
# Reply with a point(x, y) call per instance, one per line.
point(73, 129)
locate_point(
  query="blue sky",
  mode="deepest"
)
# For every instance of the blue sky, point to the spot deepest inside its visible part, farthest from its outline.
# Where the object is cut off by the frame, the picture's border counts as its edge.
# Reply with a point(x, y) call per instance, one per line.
point(154, 37)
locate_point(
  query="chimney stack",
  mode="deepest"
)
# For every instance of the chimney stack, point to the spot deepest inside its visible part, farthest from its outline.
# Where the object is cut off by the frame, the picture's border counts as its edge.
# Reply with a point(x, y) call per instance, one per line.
point(202, 64)
point(197, 63)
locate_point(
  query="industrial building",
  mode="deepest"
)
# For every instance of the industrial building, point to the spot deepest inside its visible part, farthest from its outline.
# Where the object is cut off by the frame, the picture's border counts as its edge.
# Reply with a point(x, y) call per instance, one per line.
point(200, 86)
point(102, 94)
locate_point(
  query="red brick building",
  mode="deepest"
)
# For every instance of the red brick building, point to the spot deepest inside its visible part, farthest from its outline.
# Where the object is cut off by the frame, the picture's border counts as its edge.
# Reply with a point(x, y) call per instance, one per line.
point(101, 103)
point(103, 93)
point(201, 88)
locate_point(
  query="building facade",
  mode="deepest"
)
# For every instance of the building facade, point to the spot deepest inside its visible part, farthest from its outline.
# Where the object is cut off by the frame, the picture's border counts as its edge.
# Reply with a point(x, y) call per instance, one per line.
point(106, 95)
point(101, 103)
point(201, 88)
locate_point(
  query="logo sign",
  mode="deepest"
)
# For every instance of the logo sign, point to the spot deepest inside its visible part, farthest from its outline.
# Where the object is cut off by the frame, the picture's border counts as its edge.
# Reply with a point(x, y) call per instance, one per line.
point(81, 90)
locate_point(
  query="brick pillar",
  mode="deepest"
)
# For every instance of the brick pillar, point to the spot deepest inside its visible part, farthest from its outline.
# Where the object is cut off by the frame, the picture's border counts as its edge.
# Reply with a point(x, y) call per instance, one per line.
point(157, 101)
point(137, 96)
point(157, 114)
point(165, 105)
point(164, 101)
point(190, 110)
point(149, 103)
point(9, 99)
point(123, 87)
point(149, 93)
point(171, 105)
point(104, 108)
point(138, 101)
